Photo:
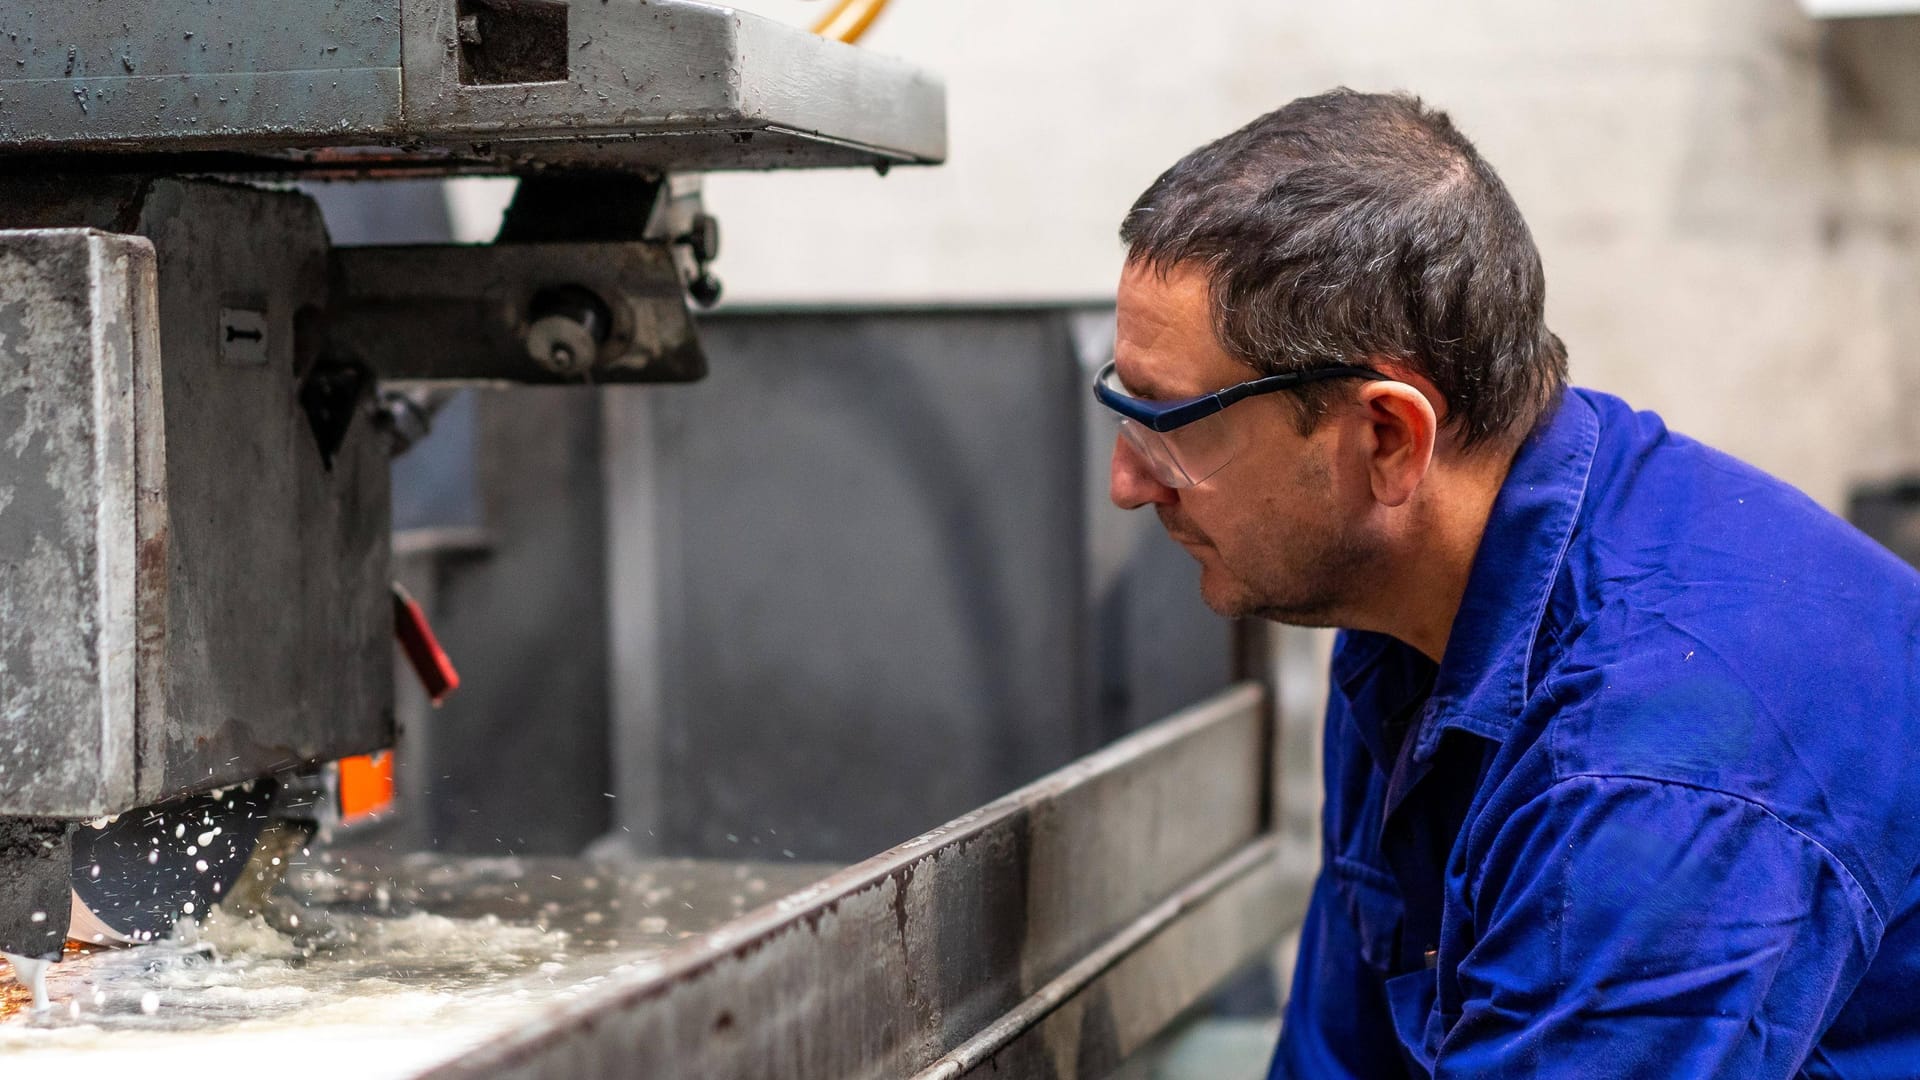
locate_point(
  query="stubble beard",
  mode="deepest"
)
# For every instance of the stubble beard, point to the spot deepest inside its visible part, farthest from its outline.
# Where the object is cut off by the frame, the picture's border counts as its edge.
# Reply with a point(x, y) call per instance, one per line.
point(1308, 579)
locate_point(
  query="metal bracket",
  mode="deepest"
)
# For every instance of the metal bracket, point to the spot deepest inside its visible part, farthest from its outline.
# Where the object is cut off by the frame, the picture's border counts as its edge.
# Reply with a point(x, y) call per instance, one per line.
point(515, 313)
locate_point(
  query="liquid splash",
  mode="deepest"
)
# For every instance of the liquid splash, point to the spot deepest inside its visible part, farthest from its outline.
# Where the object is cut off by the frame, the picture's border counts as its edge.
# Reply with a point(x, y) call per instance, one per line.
point(379, 971)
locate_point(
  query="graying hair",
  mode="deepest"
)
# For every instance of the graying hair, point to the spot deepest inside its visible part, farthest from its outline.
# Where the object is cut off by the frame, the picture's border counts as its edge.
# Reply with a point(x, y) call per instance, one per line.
point(1349, 226)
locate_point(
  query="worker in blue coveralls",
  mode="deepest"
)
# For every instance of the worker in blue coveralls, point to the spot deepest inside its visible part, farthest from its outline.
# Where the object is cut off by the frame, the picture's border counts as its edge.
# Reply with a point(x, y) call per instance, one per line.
point(1623, 745)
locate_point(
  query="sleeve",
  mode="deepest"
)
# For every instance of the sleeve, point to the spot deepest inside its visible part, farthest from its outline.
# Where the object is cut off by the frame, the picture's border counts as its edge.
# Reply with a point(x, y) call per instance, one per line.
point(1336, 1022)
point(1631, 927)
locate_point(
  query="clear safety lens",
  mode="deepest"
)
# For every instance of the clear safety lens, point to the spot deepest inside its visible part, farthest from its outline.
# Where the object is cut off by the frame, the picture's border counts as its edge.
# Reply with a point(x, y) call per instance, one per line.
point(1187, 455)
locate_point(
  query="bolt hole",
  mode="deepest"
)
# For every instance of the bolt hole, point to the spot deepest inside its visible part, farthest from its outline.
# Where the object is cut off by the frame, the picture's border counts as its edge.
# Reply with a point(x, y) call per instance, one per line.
point(512, 41)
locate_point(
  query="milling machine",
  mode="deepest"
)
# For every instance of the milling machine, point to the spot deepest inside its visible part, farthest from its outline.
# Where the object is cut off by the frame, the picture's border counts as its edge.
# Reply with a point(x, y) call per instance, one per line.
point(199, 398)
point(195, 600)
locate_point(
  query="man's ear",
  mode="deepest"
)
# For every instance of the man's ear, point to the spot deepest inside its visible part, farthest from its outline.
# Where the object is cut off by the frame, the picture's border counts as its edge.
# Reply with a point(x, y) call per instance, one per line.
point(1403, 430)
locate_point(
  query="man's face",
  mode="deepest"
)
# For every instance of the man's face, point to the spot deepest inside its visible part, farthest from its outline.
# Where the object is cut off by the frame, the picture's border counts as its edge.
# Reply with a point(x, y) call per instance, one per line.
point(1277, 530)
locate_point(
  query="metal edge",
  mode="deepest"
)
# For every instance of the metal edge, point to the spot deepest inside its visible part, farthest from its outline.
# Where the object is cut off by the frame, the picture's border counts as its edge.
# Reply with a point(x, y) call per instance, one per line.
point(121, 286)
point(910, 120)
point(1122, 993)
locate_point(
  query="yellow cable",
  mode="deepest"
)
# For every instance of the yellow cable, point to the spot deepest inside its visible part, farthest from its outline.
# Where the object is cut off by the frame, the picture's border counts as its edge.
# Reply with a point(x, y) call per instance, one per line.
point(825, 22)
point(849, 19)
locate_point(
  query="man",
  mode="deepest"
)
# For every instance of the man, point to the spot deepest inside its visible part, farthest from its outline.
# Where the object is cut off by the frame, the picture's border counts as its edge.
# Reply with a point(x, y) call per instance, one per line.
point(1623, 745)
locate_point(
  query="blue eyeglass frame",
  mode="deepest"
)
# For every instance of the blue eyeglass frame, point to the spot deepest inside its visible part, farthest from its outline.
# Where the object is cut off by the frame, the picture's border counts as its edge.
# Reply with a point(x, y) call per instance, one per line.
point(1165, 416)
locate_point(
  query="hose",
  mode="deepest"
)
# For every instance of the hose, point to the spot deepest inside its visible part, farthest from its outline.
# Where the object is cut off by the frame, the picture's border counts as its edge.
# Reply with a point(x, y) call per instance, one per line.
point(849, 19)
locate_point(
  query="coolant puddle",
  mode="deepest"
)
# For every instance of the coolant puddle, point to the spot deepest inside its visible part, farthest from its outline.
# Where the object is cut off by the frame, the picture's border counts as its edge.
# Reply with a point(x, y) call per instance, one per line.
point(390, 971)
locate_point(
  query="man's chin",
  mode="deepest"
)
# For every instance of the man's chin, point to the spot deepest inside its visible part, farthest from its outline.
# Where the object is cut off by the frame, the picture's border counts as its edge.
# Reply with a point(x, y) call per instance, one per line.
point(1231, 599)
point(1226, 598)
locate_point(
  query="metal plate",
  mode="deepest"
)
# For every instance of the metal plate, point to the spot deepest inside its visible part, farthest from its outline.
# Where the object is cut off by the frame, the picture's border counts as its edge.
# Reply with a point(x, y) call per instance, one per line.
point(77, 331)
point(457, 312)
point(279, 644)
point(648, 84)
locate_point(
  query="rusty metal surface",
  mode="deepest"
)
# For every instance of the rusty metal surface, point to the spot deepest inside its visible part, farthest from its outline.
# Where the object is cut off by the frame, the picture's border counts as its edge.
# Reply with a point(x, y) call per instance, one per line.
point(241, 623)
point(645, 84)
point(883, 968)
point(76, 337)
point(456, 312)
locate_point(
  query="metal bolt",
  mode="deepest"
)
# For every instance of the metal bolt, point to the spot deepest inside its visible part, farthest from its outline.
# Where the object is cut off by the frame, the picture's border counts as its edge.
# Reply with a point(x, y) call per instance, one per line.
point(704, 289)
point(561, 344)
point(569, 325)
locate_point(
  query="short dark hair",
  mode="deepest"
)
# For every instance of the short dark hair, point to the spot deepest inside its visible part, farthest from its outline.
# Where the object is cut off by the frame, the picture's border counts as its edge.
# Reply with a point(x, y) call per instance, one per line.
point(1347, 226)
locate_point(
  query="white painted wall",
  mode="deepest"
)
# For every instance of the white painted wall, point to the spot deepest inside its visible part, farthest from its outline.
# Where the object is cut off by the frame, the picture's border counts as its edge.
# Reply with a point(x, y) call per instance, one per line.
point(1726, 239)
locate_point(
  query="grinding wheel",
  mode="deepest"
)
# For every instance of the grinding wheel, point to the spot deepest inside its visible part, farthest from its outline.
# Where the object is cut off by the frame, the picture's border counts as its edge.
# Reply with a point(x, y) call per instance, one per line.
point(136, 876)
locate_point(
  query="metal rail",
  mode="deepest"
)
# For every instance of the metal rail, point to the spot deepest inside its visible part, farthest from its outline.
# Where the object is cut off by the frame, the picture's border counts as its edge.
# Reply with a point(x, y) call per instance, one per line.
point(1050, 932)
point(1076, 980)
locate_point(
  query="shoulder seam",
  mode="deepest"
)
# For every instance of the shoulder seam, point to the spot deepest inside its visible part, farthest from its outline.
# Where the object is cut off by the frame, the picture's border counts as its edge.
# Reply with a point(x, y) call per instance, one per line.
point(1846, 873)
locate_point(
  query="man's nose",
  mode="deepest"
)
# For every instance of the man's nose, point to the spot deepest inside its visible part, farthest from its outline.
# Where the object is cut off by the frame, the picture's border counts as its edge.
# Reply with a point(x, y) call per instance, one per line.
point(1130, 483)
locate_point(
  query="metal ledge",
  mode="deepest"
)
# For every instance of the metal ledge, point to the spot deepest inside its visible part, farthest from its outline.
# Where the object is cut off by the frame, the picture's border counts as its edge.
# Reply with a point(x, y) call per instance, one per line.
point(376, 86)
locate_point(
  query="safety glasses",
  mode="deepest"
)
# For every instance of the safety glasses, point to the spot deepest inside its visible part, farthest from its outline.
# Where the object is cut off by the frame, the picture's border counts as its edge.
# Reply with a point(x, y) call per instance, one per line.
point(1186, 441)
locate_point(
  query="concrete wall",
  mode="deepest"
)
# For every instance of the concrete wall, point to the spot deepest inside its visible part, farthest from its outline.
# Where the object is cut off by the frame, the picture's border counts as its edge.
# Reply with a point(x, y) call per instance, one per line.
point(1727, 194)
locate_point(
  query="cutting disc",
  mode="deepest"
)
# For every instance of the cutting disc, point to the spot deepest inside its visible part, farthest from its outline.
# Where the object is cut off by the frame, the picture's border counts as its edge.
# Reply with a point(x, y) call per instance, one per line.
point(136, 876)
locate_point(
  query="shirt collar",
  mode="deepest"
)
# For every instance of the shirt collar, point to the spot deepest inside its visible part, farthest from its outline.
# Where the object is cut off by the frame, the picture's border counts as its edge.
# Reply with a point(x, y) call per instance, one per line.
point(1482, 682)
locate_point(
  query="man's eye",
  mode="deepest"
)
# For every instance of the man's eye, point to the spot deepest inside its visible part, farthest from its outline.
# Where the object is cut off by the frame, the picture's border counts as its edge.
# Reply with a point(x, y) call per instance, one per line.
point(1121, 384)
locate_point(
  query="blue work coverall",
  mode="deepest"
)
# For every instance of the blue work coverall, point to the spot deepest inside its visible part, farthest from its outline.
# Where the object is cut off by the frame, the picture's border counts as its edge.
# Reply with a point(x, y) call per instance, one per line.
point(1657, 812)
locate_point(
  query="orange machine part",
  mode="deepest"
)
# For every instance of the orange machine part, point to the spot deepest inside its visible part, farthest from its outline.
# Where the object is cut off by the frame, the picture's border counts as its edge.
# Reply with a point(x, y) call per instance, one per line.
point(366, 785)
